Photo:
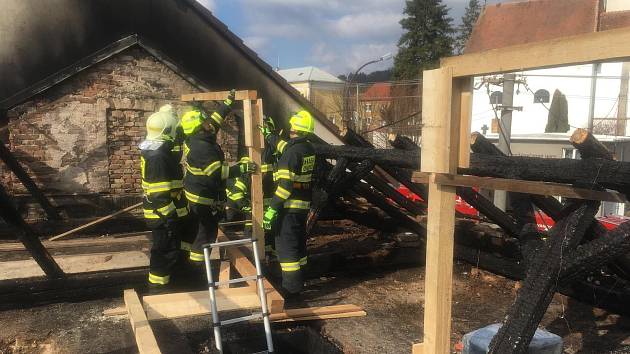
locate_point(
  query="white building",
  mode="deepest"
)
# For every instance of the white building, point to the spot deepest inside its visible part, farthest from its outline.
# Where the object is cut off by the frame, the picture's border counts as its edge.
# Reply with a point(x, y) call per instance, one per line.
point(522, 22)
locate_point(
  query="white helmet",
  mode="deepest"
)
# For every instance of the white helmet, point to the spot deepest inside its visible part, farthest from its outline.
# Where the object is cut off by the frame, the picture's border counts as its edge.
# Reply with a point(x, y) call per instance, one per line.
point(162, 125)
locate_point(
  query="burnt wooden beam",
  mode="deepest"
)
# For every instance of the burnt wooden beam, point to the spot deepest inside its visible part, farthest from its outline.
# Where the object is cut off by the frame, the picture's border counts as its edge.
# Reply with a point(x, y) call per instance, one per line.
point(590, 148)
point(15, 167)
point(31, 242)
point(378, 200)
point(354, 139)
point(582, 173)
point(470, 196)
point(541, 282)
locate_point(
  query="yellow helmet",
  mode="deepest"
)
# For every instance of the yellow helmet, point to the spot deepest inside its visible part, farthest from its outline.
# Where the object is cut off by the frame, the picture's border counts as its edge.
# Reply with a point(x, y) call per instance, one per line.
point(302, 121)
point(191, 121)
point(162, 125)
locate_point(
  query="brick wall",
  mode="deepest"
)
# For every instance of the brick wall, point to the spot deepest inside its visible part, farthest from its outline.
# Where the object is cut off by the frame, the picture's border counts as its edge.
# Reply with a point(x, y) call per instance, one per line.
point(82, 135)
point(125, 130)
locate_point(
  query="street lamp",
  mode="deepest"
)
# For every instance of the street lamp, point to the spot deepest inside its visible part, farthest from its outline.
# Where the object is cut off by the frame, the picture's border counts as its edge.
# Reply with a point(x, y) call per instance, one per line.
point(352, 78)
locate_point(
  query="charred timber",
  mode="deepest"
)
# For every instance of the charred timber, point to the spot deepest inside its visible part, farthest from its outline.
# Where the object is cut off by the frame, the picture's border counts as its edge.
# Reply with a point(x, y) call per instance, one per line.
point(584, 173)
point(479, 202)
point(541, 282)
point(354, 139)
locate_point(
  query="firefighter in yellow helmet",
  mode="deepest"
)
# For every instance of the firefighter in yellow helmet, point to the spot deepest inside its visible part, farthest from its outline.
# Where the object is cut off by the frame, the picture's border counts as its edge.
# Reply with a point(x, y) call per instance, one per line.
point(163, 203)
point(292, 200)
point(207, 172)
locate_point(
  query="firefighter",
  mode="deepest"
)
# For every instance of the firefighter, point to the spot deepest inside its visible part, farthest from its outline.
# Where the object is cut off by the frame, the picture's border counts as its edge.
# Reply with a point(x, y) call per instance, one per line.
point(274, 147)
point(291, 201)
point(163, 204)
point(238, 205)
point(207, 172)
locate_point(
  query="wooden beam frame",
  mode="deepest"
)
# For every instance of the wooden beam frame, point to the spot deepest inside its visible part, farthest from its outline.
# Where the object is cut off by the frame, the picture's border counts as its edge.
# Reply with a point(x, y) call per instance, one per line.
point(220, 96)
point(252, 118)
point(580, 49)
point(520, 186)
point(445, 133)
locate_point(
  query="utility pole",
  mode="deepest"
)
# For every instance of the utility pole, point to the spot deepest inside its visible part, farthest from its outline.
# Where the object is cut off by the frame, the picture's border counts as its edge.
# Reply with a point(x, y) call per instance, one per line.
point(622, 110)
point(591, 105)
point(505, 130)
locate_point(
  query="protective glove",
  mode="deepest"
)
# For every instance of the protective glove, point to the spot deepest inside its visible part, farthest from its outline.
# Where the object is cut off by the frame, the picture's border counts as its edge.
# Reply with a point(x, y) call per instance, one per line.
point(270, 216)
point(230, 99)
point(246, 165)
point(268, 127)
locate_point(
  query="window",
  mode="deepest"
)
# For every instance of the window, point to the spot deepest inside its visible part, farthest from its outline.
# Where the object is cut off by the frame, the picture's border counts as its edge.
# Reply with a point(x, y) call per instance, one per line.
point(368, 108)
point(570, 153)
point(541, 96)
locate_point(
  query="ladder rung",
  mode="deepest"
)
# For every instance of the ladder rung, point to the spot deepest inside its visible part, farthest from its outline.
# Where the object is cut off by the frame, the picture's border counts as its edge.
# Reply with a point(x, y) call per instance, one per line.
point(230, 243)
point(255, 316)
point(233, 281)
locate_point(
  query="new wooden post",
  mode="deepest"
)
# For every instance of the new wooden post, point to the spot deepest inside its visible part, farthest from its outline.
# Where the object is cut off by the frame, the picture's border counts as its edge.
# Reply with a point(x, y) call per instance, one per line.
point(445, 107)
point(252, 117)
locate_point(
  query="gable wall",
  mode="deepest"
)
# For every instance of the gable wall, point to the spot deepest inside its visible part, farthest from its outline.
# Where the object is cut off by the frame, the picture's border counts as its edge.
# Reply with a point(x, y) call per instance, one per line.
point(81, 136)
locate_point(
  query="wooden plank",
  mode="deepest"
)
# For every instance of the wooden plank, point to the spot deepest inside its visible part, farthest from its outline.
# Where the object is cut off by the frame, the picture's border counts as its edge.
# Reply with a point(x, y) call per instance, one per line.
point(197, 303)
point(224, 273)
point(95, 222)
point(82, 243)
point(253, 114)
point(115, 311)
point(605, 46)
point(314, 311)
point(145, 340)
point(331, 316)
point(74, 264)
point(514, 185)
point(418, 348)
point(440, 134)
point(245, 268)
point(220, 96)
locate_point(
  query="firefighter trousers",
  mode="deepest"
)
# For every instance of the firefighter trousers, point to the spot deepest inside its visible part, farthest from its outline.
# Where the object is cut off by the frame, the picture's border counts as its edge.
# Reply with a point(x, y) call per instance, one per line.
point(291, 249)
point(207, 220)
point(165, 251)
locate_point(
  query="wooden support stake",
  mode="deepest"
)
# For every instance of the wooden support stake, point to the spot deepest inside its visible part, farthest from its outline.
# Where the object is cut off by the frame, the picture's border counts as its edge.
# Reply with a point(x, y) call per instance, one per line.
point(245, 268)
point(95, 222)
point(224, 273)
point(441, 107)
point(220, 96)
point(22, 175)
point(145, 340)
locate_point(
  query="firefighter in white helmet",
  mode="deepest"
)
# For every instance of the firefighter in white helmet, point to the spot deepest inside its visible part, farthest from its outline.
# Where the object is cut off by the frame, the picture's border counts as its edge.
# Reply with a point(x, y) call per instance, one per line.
point(164, 204)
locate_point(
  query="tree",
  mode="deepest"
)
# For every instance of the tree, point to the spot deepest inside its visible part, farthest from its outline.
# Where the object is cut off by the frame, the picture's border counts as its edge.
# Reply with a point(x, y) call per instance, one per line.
point(468, 22)
point(558, 119)
point(427, 38)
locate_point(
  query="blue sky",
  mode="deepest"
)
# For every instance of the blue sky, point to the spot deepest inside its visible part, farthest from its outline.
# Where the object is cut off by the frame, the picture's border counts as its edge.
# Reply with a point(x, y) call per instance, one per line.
point(335, 35)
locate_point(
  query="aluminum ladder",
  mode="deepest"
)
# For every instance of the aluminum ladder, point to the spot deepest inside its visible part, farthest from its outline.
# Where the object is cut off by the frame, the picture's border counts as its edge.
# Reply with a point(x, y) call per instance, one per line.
point(212, 286)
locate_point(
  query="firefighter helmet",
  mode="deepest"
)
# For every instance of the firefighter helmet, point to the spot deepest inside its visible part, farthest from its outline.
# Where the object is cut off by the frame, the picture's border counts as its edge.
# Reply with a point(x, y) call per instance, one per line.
point(302, 121)
point(162, 125)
